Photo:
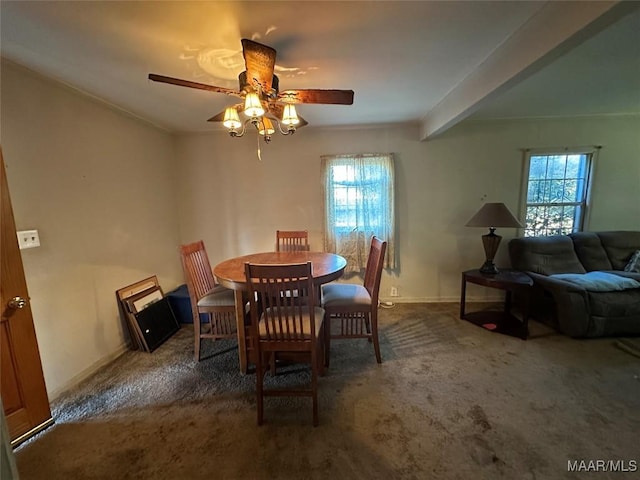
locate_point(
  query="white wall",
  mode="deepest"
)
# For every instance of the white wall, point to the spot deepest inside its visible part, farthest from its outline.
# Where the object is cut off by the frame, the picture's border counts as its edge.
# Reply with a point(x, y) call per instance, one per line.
point(100, 188)
point(235, 203)
point(112, 198)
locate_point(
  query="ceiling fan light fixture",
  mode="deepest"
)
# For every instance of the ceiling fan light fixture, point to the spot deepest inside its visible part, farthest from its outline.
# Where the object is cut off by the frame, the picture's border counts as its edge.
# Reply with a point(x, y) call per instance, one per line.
point(252, 105)
point(231, 119)
point(266, 127)
point(259, 89)
point(289, 115)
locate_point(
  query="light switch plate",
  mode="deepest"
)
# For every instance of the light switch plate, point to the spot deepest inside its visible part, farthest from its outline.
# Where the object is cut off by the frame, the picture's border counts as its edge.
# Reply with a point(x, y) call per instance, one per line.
point(28, 239)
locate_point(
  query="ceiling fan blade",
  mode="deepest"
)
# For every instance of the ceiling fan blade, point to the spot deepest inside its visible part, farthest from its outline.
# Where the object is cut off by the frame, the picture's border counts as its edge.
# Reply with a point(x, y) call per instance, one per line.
point(220, 116)
point(188, 84)
point(259, 60)
point(217, 118)
point(302, 123)
point(329, 97)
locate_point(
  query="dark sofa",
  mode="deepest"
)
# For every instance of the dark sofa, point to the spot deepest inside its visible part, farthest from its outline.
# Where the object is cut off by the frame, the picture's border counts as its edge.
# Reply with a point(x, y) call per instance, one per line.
point(574, 309)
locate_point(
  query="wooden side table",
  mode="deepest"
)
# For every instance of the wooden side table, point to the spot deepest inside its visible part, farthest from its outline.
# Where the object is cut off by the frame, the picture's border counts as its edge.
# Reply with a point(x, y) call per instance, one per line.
point(503, 322)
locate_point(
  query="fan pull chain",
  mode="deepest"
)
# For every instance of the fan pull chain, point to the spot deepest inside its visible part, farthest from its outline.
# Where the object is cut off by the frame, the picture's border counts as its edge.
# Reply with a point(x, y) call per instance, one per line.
point(258, 141)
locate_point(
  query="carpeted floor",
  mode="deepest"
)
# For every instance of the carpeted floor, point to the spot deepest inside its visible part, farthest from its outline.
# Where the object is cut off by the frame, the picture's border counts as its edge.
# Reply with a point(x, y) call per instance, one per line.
point(450, 401)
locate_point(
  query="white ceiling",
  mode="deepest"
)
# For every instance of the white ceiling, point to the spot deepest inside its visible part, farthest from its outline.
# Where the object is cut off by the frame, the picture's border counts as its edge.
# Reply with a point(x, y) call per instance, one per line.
point(419, 61)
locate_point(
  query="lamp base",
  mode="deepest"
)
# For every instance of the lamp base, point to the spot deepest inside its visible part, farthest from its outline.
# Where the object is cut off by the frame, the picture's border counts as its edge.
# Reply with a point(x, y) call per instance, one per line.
point(489, 268)
point(490, 242)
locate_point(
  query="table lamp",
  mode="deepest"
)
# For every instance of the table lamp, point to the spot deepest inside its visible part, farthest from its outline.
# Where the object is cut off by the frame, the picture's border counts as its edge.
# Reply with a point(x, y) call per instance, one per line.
point(492, 215)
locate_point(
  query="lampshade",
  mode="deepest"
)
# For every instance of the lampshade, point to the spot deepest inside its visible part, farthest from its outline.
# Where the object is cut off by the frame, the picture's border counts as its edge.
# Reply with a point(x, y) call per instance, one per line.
point(231, 119)
point(252, 105)
point(289, 116)
point(494, 215)
point(266, 127)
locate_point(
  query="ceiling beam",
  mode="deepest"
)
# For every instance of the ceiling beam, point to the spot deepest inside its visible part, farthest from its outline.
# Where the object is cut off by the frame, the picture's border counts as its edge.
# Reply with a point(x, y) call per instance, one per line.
point(554, 30)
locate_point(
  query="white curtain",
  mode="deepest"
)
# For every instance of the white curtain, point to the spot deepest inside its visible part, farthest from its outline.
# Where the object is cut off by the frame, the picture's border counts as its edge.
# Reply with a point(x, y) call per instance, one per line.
point(359, 203)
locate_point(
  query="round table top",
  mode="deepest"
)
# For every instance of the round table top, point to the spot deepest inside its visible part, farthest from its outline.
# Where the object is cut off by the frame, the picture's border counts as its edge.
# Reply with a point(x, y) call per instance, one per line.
point(326, 266)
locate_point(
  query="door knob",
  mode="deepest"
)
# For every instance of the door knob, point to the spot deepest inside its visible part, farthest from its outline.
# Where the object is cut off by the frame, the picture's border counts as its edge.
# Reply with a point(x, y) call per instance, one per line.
point(16, 303)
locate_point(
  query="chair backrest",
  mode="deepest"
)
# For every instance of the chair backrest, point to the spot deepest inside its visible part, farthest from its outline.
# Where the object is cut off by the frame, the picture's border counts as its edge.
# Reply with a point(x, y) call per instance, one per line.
point(286, 317)
point(373, 272)
point(197, 269)
point(292, 240)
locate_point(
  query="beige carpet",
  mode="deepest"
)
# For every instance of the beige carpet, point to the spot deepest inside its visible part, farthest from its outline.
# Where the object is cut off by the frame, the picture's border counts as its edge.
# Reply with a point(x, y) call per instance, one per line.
point(450, 400)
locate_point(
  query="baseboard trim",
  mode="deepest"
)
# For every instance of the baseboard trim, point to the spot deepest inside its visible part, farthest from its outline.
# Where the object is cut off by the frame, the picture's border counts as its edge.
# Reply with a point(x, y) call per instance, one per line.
point(87, 372)
point(482, 299)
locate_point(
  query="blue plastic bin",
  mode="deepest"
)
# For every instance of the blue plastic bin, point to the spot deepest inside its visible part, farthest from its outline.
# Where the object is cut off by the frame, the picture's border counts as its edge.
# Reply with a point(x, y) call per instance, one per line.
point(181, 305)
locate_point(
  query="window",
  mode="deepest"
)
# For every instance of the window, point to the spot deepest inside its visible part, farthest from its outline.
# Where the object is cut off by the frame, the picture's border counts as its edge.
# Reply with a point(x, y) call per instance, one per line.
point(557, 188)
point(359, 203)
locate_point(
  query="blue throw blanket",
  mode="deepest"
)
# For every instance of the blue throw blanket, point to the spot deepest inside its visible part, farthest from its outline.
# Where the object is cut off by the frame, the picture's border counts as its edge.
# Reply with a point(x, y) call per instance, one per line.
point(598, 281)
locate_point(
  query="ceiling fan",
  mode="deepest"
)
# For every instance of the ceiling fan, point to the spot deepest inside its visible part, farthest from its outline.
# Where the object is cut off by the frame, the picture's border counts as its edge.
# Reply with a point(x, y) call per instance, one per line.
point(264, 104)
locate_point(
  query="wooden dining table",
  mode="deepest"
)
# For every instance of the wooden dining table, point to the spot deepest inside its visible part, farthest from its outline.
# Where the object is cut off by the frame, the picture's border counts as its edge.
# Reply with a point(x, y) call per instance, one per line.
point(231, 274)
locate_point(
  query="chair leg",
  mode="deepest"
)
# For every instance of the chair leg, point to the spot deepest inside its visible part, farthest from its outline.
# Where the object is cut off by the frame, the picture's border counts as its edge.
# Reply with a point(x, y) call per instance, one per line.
point(320, 353)
point(327, 339)
point(196, 339)
point(314, 390)
point(272, 363)
point(374, 334)
point(259, 388)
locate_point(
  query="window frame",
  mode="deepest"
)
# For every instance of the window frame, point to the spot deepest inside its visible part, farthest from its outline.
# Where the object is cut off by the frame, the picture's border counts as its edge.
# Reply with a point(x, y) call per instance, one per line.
point(585, 204)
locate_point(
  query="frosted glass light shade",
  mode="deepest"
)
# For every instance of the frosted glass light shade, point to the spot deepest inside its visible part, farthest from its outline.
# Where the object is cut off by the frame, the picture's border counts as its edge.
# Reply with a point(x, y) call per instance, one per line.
point(289, 115)
point(252, 105)
point(231, 119)
point(266, 127)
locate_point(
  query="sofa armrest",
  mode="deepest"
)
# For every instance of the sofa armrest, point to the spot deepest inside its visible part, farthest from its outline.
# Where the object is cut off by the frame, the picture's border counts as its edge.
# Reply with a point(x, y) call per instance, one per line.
point(571, 303)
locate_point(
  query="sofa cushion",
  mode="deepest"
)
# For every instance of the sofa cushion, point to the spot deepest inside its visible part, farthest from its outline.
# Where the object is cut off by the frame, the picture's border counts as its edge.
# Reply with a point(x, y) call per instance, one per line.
point(545, 255)
point(599, 281)
point(218, 296)
point(590, 251)
point(620, 246)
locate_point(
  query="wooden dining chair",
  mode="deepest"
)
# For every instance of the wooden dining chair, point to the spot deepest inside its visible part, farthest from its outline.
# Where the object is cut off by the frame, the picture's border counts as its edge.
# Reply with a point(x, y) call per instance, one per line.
point(215, 301)
point(355, 307)
point(281, 323)
point(292, 240)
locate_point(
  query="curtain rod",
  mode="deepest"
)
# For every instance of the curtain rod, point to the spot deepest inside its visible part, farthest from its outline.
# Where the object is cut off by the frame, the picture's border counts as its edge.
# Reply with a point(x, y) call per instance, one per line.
point(551, 149)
